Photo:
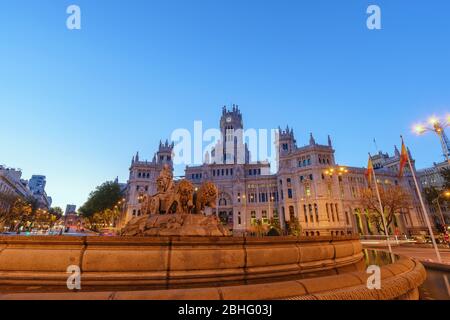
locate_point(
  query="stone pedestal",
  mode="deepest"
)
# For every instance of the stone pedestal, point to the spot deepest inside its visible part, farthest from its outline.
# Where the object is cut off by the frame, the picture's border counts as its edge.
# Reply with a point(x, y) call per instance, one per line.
point(175, 225)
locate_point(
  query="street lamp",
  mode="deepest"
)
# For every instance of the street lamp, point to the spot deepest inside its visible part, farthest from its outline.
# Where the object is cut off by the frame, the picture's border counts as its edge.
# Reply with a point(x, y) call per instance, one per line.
point(339, 170)
point(438, 127)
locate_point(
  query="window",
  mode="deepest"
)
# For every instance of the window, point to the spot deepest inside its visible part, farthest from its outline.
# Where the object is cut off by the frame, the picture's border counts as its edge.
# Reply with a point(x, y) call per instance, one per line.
point(291, 213)
point(290, 193)
point(253, 217)
point(265, 220)
point(308, 191)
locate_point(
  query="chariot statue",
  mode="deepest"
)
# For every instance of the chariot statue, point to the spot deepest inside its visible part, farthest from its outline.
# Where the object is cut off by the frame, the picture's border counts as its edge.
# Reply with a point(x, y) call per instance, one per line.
point(177, 209)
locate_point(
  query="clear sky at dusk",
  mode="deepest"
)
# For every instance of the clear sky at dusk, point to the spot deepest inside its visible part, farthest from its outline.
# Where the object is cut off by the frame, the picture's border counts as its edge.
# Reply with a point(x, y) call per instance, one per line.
point(76, 105)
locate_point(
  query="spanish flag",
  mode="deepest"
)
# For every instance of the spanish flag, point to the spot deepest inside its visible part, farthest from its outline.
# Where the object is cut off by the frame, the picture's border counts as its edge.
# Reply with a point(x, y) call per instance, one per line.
point(369, 172)
point(403, 160)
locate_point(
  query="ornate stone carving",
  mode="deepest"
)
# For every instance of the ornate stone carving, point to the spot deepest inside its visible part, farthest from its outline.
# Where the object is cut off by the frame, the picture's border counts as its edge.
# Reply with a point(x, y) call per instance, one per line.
point(177, 210)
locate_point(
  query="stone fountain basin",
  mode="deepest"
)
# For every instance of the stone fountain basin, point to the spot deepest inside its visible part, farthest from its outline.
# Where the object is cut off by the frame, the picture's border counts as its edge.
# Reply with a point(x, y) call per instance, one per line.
point(197, 267)
point(166, 262)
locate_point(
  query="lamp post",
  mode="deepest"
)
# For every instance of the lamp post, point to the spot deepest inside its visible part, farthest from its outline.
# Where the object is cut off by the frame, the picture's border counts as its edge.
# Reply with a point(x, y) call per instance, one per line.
point(244, 197)
point(438, 127)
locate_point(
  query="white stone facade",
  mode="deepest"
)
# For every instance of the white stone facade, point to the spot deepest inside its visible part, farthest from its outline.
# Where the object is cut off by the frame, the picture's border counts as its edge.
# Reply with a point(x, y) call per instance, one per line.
point(306, 186)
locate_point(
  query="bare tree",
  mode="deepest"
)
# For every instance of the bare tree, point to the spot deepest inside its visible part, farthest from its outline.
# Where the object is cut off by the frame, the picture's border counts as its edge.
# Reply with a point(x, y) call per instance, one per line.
point(394, 200)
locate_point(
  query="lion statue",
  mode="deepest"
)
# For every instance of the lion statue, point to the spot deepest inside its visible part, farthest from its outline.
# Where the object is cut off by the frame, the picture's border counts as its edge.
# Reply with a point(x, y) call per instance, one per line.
point(183, 197)
point(206, 197)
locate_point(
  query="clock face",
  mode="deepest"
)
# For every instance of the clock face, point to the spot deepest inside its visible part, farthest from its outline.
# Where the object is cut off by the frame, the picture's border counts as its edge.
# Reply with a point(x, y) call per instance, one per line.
point(229, 119)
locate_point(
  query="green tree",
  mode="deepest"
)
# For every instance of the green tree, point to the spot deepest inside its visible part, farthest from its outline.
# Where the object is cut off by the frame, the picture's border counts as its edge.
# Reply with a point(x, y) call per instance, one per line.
point(274, 227)
point(7, 201)
point(104, 197)
point(294, 228)
point(101, 205)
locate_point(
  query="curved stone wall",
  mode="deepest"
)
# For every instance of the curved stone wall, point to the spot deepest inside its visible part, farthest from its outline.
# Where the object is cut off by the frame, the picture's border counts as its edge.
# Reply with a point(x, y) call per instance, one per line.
point(400, 281)
point(172, 262)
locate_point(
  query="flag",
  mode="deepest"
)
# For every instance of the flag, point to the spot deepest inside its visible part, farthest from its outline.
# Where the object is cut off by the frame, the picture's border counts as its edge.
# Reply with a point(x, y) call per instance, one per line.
point(369, 172)
point(403, 160)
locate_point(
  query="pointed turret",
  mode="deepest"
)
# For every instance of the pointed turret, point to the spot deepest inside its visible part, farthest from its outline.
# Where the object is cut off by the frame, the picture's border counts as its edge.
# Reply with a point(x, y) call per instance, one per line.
point(329, 141)
point(396, 151)
point(312, 141)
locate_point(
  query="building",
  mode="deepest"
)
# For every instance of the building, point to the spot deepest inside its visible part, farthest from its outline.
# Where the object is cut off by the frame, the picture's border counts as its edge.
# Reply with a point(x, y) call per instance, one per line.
point(308, 184)
point(70, 209)
point(142, 179)
point(37, 185)
point(12, 185)
point(432, 178)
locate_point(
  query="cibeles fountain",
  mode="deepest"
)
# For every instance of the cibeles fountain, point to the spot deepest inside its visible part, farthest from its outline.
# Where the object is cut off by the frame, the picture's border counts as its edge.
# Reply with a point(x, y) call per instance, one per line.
point(178, 209)
point(180, 250)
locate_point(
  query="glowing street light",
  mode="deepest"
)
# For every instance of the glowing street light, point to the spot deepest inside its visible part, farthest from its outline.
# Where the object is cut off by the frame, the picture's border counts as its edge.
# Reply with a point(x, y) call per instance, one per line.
point(438, 127)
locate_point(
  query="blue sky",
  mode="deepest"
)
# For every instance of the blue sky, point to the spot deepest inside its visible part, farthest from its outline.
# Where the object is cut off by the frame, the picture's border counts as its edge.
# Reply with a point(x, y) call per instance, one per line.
point(76, 105)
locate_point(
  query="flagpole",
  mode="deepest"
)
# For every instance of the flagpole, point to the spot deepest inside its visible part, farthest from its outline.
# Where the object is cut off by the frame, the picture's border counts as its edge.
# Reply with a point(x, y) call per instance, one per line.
point(430, 229)
point(382, 213)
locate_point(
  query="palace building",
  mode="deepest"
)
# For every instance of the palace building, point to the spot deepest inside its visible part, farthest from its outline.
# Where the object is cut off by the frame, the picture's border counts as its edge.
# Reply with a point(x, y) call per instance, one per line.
point(308, 185)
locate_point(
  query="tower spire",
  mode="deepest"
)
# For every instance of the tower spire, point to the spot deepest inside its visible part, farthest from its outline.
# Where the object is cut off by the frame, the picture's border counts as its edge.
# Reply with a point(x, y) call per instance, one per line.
point(312, 141)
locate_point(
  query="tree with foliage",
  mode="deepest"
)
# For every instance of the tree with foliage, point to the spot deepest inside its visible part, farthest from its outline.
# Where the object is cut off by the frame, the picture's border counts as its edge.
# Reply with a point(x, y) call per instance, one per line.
point(7, 201)
point(432, 196)
point(394, 200)
point(274, 227)
point(294, 227)
point(101, 206)
point(258, 228)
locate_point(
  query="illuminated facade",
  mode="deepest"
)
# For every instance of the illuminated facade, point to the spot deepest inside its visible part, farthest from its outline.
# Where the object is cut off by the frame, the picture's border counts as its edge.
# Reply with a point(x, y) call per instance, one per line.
point(308, 185)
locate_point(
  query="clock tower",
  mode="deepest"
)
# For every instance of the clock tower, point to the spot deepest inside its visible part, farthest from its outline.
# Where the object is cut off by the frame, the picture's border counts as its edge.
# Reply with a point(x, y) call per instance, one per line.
point(232, 148)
